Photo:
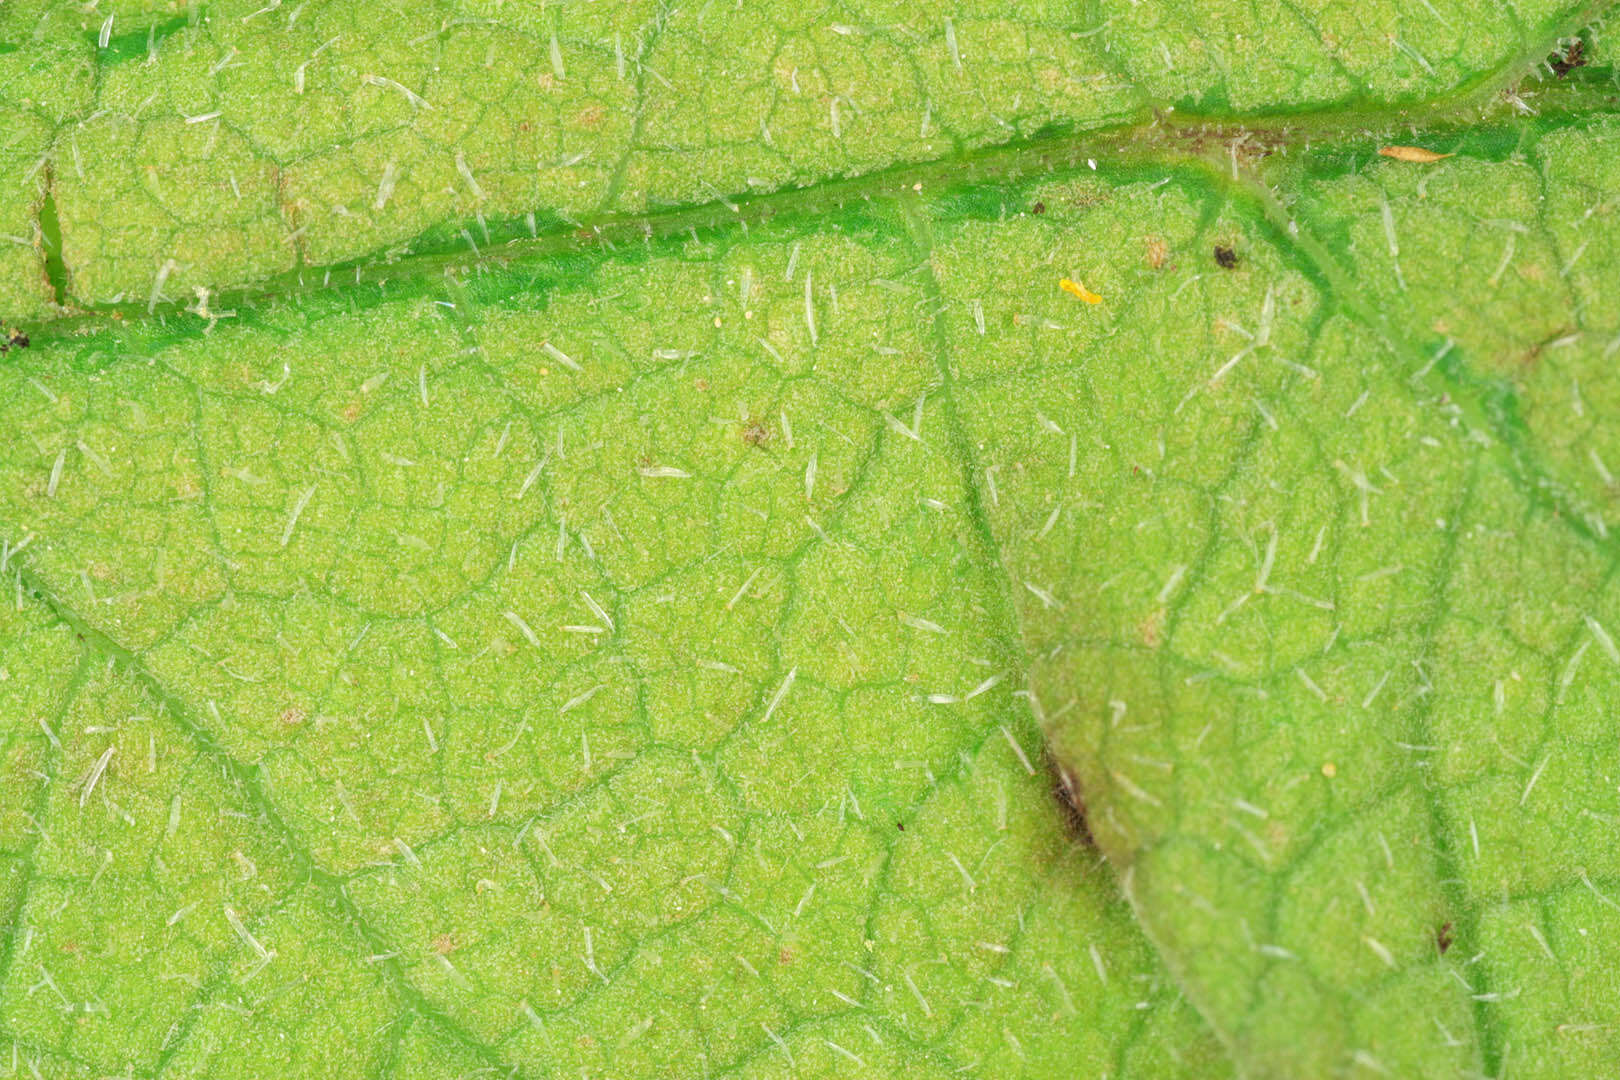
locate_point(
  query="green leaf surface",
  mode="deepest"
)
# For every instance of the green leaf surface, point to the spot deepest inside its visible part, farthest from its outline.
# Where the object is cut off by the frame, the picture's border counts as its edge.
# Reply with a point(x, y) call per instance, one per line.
point(204, 145)
point(1317, 579)
point(590, 540)
point(591, 671)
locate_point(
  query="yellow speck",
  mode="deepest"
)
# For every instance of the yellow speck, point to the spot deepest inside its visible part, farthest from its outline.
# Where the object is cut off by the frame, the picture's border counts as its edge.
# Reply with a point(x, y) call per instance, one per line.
point(1329, 769)
point(1415, 154)
point(1074, 288)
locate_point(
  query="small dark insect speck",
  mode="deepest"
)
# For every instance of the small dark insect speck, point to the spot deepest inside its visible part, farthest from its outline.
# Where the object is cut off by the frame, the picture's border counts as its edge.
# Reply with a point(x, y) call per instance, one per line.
point(1442, 938)
point(14, 339)
point(1072, 806)
point(1039, 208)
point(900, 825)
point(1572, 58)
point(1225, 257)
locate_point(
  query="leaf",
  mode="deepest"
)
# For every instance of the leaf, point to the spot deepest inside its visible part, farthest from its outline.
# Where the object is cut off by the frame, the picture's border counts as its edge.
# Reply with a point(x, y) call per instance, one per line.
point(1317, 572)
point(447, 707)
point(239, 140)
point(546, 541)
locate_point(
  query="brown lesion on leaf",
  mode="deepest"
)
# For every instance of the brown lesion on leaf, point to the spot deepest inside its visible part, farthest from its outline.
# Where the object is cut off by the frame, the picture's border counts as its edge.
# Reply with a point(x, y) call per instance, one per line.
point(1158, 252)
point(1531, 357)
point(1152, 627)
point(755, 433)
point(445, 944)
point(1532, 271)
point(1573, 56)
point(1070, 800)
point(1443, 938)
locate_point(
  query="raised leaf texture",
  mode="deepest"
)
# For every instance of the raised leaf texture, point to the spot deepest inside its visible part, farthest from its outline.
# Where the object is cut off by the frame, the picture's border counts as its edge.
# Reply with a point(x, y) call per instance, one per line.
point(577, 540)
point(637, 701)
point(208, 145)
point(1316, 570)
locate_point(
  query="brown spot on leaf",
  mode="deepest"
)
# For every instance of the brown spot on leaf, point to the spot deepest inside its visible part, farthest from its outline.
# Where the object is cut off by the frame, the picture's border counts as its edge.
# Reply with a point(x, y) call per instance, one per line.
point(1531, 271)
point(1153, 628)
point(1442, 937)
point(1157, 252)
point(1571, 58)
point(1531, 357)
point(1225, 257)
point(444, 944)
point(1070, 801)
point(756, 433)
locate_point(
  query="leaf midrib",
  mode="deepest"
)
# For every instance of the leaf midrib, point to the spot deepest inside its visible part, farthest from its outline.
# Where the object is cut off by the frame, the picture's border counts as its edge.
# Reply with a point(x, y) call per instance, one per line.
point(1170, 138)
